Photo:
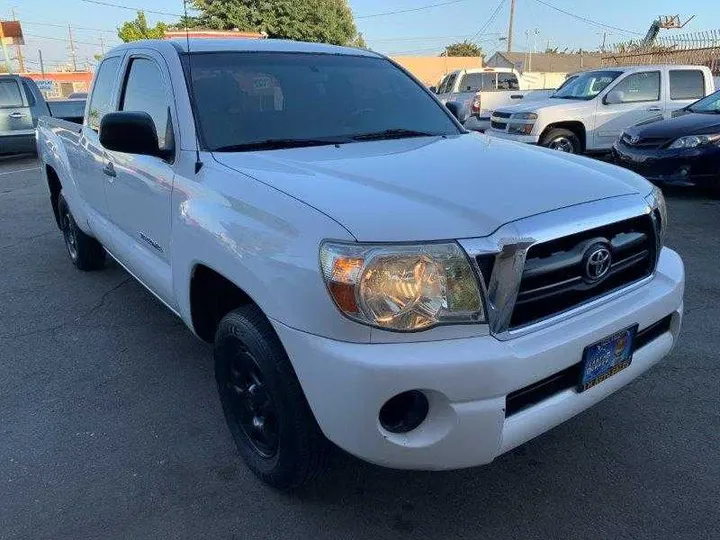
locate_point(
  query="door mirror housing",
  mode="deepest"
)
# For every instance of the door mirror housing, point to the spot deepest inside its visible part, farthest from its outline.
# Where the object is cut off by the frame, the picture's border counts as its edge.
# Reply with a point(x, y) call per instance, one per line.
point(457, 110)
point(130, 132)
point(614, 96)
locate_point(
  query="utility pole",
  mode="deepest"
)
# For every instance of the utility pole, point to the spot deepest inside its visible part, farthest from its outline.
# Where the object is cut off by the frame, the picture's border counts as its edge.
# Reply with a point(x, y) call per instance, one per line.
point(510, 27)
point(73, 54)
point(4, 49)
point(602, 47)
point(102, 45)
point(42, 65)
point(18, 48)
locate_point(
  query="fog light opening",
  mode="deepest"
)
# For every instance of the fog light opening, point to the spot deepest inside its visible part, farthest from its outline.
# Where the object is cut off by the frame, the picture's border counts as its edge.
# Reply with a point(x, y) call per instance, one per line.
point(404, 412)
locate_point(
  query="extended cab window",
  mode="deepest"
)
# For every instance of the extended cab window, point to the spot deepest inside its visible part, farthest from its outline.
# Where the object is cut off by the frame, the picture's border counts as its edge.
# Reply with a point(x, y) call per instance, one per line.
point(145, 91)
point(101, 99)
point(10, 96)
point(687, 84)
point(507, 81)
point(248, 99)
point(640, 87)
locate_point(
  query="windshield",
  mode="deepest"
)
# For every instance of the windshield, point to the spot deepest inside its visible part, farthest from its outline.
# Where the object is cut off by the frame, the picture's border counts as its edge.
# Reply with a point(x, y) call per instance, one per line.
point(586, 85)
point(707, 105)
point(271, 100)
point(477, 82)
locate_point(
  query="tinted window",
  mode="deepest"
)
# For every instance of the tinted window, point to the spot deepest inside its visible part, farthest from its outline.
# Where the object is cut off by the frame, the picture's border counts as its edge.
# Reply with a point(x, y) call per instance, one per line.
point(246, 98)
point(28, 94)
point(507, 81)
point(450, 83)
point(476, 82)
point(443, 85)
point(708, 105)
point(687, 84)
point(10, 96)
point(101, 99)
point(640, 87)
point(145, 91)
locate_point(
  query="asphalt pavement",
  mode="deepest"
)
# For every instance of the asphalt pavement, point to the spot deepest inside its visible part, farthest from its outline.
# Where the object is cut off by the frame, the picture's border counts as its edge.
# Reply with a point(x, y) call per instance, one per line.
point(110, 426)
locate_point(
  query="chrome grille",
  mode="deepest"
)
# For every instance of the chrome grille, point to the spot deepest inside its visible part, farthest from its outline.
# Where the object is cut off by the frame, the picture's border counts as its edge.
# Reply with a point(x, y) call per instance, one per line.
point(555, 276)
point(502, 114)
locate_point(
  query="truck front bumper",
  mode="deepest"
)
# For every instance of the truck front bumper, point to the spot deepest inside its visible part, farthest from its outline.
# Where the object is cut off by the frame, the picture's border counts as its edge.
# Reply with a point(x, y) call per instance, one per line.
point(528, 139)
point(467, 381)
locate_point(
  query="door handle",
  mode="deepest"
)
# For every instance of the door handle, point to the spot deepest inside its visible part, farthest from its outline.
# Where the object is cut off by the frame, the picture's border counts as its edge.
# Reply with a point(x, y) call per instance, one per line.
point(16, 115)
point(655, 109)
point(517, 96)
point(109, 170)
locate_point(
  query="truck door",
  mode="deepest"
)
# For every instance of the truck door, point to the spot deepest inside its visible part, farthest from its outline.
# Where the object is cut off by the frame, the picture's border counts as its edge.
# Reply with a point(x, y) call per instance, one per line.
point(16, 124)
point(635, 98)
point(138, 186)
point(91, 155)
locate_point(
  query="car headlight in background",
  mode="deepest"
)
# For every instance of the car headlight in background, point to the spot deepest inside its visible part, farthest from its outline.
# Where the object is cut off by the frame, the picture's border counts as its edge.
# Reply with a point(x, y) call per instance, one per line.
point(524, 116)
point(656, 200)
point(403, 288)
point(523, 128)
point(693, 141)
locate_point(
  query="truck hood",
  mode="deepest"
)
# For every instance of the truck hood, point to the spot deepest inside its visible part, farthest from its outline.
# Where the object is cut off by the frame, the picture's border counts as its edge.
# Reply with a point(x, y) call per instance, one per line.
point(432, 188)
point(567, 105)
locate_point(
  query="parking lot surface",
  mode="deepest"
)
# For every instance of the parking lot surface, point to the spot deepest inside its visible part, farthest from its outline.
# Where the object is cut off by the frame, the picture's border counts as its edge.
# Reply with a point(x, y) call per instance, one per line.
point(110, 426)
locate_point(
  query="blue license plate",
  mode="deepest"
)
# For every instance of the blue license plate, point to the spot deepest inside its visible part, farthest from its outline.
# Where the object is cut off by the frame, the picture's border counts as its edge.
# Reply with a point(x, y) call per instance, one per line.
point(607, 357)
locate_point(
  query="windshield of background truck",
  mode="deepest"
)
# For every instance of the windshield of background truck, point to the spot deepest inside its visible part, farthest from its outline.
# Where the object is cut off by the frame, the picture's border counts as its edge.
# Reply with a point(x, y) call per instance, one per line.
point(480, 82)
point(245, 99)
point(586, 85)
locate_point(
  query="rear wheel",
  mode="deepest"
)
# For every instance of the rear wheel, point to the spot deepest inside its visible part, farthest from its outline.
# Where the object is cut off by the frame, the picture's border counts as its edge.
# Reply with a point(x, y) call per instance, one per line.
point(85, 252)
point(562, 140)
point(265, 408)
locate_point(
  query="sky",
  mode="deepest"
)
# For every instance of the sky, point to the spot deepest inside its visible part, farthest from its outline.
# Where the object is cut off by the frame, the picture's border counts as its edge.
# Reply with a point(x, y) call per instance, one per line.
point(421, 32)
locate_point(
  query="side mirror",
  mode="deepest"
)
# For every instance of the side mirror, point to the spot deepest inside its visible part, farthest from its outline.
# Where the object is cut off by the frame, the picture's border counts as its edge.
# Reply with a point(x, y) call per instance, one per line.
point(457, 110)
point(433, 89)
point(614, 96)
point(130, 132)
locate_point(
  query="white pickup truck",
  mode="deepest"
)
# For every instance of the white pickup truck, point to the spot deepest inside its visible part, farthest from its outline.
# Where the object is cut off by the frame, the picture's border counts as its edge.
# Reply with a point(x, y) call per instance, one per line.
point(369, 273)
point(589, 112)
point(479, 91)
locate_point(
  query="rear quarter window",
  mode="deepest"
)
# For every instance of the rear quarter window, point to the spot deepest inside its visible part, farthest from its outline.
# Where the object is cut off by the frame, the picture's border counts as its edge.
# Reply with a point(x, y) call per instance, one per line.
point(10, 95)
point(687, 84)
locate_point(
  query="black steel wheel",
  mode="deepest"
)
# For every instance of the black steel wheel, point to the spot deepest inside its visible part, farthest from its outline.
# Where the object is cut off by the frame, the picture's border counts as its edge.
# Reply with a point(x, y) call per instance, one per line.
point(85, 252)
point(265, 408)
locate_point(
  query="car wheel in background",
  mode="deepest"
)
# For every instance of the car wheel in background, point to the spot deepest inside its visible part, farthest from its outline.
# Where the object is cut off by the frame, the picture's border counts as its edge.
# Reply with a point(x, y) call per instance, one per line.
point(562, 140)
point(265, 409)
point(85, 252)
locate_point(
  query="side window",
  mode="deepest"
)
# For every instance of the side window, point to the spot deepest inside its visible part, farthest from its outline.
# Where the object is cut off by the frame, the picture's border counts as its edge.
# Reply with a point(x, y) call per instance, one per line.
point(10, 96)
point(687, 84)
point(101, 98)
point(450, 83)
point(507, 81)
point(145, 91)
point(28, 94)
point(640, 87)
point(443, 85)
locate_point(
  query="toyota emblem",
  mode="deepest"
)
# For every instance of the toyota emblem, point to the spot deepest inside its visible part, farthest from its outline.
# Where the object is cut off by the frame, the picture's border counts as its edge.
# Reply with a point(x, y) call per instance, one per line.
point(597, 262)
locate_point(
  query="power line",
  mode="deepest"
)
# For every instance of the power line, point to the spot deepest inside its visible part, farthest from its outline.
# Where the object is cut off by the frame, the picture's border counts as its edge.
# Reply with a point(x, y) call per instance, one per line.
point(387, 40)
point(487, 24)
point(399, 11)
point(130, 8)
point(56, 25)
point(66, 40)
point(586, 20)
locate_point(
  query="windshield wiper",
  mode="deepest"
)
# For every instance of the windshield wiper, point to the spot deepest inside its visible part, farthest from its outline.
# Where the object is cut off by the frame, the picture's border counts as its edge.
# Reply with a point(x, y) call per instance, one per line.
point(276, 144)
point(392, 134)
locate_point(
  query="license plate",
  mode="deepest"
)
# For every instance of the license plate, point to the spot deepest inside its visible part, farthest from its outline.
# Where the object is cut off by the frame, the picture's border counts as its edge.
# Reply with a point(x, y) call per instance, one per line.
point(607, 357)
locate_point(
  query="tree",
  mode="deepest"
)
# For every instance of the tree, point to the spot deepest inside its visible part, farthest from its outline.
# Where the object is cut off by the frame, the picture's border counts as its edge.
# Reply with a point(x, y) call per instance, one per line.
point(463, 48)
point(139, 29)
point(324, 21)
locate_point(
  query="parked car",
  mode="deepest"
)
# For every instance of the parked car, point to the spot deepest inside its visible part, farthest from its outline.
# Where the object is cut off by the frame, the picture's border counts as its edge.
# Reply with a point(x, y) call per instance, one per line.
point(683, 150)
point(481, 90)
point(589, 113)
point(21, 104)
point(361, 280)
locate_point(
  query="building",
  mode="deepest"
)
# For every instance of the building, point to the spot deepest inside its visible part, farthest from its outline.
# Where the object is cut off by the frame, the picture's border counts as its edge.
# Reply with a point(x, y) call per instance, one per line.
point(545, 62)
point(430, 69)
point(61, 83)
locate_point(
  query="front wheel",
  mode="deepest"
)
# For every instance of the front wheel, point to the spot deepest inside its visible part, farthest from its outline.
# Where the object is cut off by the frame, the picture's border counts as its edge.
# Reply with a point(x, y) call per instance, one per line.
point(265, 409)
point(562, 140)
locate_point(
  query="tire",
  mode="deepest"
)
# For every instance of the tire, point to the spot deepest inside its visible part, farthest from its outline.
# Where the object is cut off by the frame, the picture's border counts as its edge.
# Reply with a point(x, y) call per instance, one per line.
point(265, 409)
point(85, 252)
point(562, 140)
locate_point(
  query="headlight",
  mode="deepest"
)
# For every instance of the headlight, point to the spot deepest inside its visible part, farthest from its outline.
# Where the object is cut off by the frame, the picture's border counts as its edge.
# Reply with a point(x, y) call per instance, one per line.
point(523, 129)
point(402, 288)
point(693, 141)
point(656, 200)
point(524, 116)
